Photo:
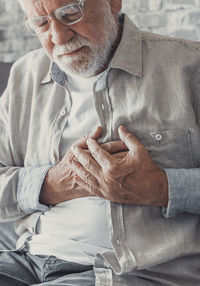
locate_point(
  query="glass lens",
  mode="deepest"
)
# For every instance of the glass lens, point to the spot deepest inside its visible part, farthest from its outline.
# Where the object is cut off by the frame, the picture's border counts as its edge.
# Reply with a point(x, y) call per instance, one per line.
point(69, 14)
point(38, 25)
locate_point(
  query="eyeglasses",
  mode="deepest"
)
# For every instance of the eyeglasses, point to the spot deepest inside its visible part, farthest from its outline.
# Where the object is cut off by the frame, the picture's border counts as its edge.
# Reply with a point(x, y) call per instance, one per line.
point(67, 15)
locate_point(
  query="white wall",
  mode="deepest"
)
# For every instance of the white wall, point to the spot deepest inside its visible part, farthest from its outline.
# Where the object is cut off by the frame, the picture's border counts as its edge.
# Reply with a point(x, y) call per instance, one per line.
point(180, 18)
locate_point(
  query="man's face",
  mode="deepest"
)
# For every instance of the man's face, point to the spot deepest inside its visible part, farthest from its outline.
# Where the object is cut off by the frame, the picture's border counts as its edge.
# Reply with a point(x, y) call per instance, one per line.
point(82, 48)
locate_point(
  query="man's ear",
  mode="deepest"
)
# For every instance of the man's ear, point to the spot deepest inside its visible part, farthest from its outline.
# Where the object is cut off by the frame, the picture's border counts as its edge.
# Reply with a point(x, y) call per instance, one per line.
point(116, 6)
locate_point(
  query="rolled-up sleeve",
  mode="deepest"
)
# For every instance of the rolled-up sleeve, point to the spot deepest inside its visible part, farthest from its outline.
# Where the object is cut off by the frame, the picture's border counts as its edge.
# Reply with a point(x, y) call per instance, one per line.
point(30, 182)
point(184, 192)
point(19, 185)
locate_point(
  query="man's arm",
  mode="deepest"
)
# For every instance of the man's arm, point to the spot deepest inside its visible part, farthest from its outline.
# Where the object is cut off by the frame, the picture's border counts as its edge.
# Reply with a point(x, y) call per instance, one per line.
point(20, 186)
point(130, 179)
point(18, 194)
point(60, 183)
point(184, 192)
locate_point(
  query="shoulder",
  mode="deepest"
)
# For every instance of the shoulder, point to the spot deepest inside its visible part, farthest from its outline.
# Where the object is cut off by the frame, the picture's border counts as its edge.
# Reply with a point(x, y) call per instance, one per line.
point(34, 64)
point(158, 51)
point(27, 74)
point(171, 55)
point(167, 41)
point(35, 57)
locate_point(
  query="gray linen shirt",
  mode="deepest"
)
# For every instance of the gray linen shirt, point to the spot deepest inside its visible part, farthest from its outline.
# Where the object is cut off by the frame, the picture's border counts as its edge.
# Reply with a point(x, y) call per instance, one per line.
point(152, 87)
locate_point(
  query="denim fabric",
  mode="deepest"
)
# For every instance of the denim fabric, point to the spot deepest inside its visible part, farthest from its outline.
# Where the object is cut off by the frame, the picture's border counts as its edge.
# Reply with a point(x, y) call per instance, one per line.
point(21, 268)
point(8, 236)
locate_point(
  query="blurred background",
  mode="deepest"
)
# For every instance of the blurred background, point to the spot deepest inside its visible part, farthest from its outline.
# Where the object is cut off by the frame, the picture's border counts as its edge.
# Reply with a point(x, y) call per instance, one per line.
point(179, 18)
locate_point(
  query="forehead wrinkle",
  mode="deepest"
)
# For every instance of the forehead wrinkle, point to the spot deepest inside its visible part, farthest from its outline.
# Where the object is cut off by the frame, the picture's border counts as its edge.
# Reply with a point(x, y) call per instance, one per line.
point(38, 4)
point(33, 8)
point(43, 7)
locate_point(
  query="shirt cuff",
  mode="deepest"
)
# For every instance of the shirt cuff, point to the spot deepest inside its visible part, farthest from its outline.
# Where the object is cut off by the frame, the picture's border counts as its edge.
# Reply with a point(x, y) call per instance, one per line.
point(184, 192)
point(30, 180)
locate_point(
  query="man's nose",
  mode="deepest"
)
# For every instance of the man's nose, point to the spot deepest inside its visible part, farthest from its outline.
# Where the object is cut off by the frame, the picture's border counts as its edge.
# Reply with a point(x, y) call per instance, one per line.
point(60, 34)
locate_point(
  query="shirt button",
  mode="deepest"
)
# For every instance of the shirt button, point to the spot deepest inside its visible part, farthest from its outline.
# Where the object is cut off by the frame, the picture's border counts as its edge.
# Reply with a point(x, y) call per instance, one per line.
point(62, 112)
point(158, 136)
point(102, 106)
point(118, 242)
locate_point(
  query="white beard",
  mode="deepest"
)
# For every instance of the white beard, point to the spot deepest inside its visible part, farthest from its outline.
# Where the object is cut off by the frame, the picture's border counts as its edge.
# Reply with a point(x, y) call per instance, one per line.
point(92, 58)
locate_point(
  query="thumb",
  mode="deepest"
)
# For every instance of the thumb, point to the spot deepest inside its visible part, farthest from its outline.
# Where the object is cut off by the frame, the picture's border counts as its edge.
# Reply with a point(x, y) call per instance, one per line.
point(95, 134)
point(129, 139)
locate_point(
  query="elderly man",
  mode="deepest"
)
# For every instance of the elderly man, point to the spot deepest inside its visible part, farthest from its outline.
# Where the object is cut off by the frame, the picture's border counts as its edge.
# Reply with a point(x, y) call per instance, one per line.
point(119, 206)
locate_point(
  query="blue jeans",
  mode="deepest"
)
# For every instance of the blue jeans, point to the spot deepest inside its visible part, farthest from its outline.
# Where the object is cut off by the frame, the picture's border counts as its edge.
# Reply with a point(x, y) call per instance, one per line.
point(20, 268)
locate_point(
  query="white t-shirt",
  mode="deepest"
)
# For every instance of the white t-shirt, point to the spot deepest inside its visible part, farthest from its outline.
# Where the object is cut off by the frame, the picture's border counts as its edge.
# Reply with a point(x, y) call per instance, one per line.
point(75, 230)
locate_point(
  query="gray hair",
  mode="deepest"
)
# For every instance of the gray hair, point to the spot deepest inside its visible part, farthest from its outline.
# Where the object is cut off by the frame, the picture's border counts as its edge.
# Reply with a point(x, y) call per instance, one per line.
point(23, 8)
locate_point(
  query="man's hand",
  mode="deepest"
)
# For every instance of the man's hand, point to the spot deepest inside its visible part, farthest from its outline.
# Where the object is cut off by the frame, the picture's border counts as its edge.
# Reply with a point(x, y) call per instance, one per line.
point(126, 177)
point(60, 183)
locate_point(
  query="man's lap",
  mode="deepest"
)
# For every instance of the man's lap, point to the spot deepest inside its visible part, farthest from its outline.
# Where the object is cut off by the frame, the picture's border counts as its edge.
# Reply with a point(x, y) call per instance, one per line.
point(8, 237)
point(21, 268)
point(14, 268)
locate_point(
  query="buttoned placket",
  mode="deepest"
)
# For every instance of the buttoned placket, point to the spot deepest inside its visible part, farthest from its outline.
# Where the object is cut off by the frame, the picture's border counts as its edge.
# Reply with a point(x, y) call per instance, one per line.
point(103, 105)
point(60, 123)
point(115, 214)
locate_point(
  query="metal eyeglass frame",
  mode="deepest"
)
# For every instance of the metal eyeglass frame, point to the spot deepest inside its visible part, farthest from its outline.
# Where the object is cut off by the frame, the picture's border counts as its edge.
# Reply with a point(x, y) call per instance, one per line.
point(50, 16)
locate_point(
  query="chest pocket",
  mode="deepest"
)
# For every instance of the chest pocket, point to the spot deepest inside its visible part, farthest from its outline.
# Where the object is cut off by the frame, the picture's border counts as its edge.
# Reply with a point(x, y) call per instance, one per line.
point(169, 148)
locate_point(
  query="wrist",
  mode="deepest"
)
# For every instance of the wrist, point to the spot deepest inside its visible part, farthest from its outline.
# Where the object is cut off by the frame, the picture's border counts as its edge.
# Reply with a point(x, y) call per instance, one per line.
point(47, 192)
point(151, 190)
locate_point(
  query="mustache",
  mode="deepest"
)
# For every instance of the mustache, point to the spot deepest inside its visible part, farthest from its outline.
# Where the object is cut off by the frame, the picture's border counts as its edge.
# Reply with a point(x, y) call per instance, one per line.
point(73, 44)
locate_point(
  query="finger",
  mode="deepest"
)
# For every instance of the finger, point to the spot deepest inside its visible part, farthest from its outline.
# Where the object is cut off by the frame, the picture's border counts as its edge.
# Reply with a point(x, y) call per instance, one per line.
point(121, 154)
point(129, 139)
point(102, 157)
point(85, 176)
point(95, 134)
point(114, 147)
point(87, 162)
point(93, 191)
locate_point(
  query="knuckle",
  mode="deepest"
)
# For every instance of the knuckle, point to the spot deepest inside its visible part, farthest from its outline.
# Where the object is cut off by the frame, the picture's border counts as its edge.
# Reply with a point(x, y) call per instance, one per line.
point(138, 150)
point(86, 177)
point(95, 150)
point(111, 168)
point(87, 163)
point(129, 136)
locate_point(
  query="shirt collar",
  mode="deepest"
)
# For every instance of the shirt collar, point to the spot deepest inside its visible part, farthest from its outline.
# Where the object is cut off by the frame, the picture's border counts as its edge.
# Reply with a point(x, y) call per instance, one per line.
point(127, 57)
point(56, 74)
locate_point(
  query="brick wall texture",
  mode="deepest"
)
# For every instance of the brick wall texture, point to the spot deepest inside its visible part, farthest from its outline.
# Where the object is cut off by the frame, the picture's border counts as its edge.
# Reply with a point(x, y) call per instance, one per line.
point(179, 18)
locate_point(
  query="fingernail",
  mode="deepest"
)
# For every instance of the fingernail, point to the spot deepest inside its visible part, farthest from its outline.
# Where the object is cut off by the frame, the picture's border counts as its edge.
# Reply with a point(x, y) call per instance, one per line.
point(121, 127)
